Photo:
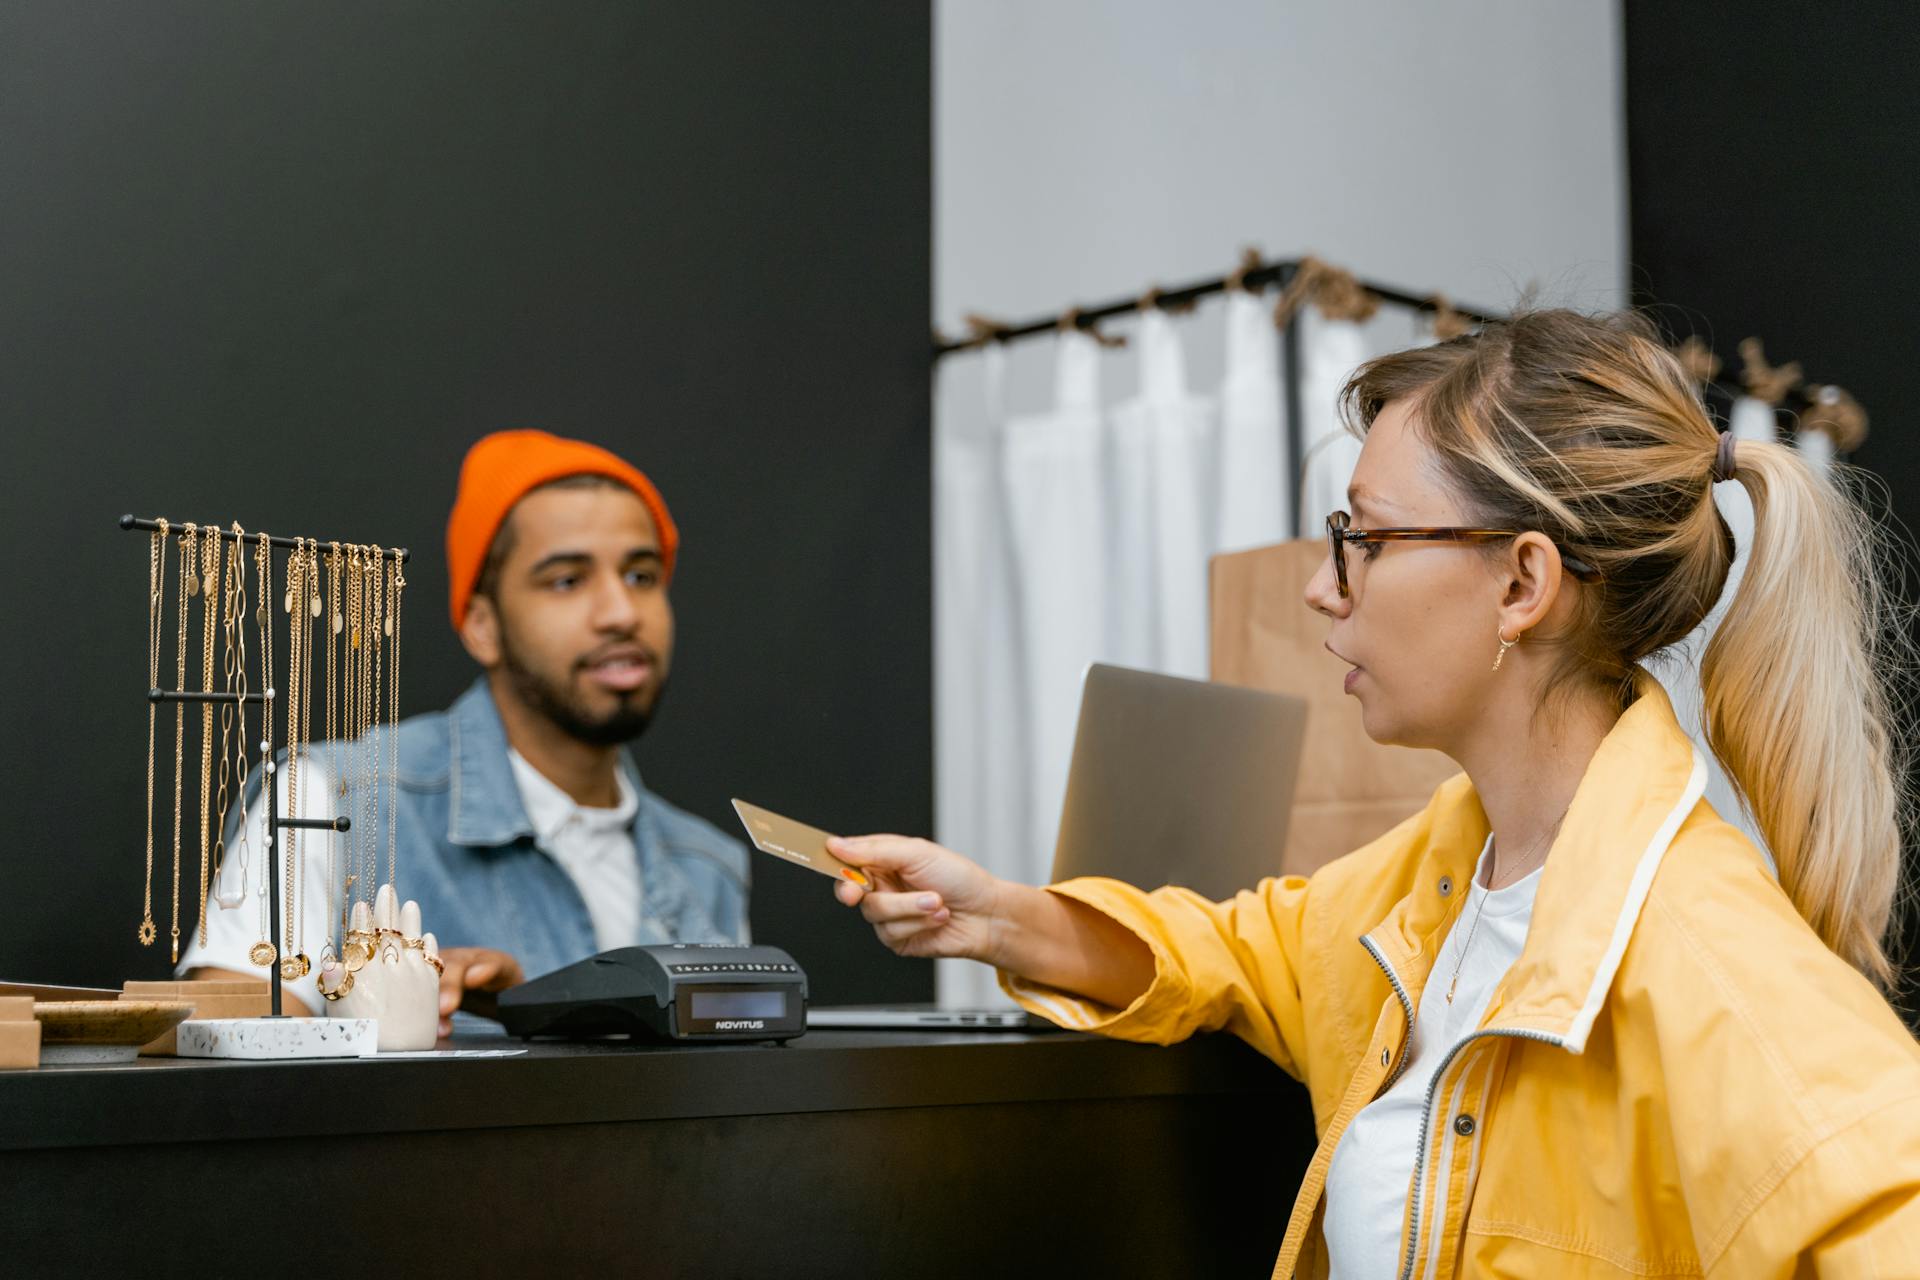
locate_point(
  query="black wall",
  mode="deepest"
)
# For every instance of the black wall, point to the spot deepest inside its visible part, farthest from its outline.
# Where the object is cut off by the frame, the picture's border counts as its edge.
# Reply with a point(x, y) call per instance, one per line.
point(1774, 166)
point(283, 263)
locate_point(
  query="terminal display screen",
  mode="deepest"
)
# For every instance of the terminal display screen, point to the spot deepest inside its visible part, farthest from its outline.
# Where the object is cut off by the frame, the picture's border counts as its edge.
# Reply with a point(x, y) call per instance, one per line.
point(713, 1005)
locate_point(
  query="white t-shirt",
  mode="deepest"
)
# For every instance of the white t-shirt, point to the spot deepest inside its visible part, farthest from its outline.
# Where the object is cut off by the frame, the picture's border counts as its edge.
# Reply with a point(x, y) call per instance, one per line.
point(1372, 1170)
point(593, 846)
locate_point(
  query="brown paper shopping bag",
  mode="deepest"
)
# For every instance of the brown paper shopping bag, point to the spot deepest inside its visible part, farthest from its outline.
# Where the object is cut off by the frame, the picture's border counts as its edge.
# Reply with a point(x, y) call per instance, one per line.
point(1351, 789)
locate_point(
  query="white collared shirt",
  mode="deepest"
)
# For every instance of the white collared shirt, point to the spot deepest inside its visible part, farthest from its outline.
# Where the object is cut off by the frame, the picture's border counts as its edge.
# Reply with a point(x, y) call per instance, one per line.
point(593, 846)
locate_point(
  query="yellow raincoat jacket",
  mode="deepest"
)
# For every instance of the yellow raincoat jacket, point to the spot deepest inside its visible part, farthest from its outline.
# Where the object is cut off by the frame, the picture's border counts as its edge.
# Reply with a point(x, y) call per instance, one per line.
point(1675, 1078)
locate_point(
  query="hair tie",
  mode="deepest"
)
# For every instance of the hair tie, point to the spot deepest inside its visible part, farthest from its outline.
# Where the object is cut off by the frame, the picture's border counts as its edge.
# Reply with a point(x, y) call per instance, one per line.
point(1723, 465)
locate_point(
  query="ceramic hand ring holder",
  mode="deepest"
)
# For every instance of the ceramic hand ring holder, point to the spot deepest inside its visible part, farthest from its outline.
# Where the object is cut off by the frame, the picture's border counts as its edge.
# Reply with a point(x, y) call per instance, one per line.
point(389, 971)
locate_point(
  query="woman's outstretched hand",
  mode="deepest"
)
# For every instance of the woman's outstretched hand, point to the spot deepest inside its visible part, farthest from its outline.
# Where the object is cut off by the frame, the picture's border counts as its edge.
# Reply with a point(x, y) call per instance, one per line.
point(925, 900)
point(930, 901)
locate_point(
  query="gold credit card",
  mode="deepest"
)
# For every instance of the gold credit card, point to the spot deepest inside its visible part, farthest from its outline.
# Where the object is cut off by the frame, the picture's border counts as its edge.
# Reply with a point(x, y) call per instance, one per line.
point(796, 842)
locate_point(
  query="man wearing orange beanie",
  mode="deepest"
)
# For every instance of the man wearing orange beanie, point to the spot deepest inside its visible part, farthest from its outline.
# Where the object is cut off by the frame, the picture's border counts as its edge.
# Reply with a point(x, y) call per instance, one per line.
point(523, 829)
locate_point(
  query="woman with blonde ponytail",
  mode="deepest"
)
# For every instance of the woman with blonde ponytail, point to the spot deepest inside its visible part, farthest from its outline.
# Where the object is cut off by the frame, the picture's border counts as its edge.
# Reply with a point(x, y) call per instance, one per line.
point(1566, 1021)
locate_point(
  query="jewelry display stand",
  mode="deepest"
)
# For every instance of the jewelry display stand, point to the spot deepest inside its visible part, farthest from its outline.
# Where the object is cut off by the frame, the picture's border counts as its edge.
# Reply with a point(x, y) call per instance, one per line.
point(274, 1036)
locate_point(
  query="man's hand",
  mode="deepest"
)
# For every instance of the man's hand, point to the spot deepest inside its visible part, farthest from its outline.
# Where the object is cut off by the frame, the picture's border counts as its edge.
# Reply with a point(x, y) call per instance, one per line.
point(474, 977)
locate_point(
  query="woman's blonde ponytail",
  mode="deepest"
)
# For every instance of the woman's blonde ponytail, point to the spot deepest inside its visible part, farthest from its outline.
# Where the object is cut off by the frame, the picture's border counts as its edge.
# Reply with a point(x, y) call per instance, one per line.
point(1797, 707)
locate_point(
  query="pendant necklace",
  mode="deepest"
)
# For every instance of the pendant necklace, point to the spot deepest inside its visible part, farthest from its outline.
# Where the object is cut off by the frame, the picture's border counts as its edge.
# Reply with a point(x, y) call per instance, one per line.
point(156, 580)
point(1480, 910)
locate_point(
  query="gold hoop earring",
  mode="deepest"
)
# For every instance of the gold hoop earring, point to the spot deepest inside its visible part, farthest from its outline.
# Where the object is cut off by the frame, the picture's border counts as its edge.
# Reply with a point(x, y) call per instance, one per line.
point(1505, 644)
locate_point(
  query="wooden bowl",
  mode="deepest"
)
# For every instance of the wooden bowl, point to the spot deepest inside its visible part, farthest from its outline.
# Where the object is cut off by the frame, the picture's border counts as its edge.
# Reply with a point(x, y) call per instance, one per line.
point(104, 1030)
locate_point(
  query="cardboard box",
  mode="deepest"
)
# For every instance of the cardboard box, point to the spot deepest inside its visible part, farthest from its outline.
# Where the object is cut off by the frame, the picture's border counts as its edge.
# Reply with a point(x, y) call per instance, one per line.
point(211, 998)
point(19, 1033)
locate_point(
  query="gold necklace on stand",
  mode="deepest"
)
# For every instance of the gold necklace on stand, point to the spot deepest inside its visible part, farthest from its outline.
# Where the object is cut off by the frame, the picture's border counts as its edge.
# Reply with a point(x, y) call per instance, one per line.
point(264, 952)
point(233, 761)
point(358, 947)
point(336, 905)
point(294, 963)
point(308, 598)
point(395, 581)
point(377, 628)
point(350, 723)
point(290, 836)
point(363, 724)
point(209, 604)
point(156, 583)
point(189, 546)
point(305, 604)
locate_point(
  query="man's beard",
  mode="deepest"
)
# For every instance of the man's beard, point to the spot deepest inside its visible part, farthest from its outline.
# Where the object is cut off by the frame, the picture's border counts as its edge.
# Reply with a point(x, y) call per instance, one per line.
point(627, 721)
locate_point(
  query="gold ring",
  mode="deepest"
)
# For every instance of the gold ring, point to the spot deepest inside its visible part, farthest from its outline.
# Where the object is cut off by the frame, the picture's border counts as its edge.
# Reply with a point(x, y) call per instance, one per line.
point(358, 949)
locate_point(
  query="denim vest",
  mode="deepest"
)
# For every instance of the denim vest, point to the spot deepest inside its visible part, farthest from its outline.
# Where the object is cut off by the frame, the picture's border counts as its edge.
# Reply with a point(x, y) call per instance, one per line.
point(465, 850)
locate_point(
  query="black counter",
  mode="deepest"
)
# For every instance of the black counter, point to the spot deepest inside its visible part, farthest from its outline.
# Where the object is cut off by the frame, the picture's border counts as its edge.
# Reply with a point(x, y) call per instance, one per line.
point(841, 1153)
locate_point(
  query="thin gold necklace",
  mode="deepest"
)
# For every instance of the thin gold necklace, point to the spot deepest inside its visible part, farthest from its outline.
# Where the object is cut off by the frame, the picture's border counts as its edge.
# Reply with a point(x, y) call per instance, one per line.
point(369, 700)
point(156, 584)
point(189, 546)
point(336, 624)
point(1461, 961)
point(209, 604)
point(293, 958)
point(396, 580)
point(233, 763)
point(265, 952)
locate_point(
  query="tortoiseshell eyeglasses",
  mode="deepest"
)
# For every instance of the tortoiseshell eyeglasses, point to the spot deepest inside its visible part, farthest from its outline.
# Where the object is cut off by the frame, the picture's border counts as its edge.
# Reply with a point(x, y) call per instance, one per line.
point(1340, 534)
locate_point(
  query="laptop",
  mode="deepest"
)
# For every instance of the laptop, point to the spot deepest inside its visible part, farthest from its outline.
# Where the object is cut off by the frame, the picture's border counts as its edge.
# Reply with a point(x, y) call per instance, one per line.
point(1173, 781)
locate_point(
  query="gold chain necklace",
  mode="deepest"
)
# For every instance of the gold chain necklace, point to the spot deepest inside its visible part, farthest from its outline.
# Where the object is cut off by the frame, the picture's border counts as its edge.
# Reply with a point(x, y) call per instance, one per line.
point(356, 597)
point(189, 545)
point(209, 603)
point(305, 601)
point(1461, 962)
point(264, 952)
point(376, 587)
point(294, 963)
point(370, 851)
point(156, 579)
point(357, 947)
point(290, 836)
point(304, 605)
point(235, 659)
point(335, 625)
point(395, 582)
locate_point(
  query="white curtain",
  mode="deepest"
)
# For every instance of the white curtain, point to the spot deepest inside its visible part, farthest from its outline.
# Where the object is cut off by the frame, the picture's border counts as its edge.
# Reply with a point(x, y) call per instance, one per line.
point(1053, 465)
point(1162, 512)
point(1330, 350)
point(1256, 502)
point(979, 690)
point(1679, 668)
